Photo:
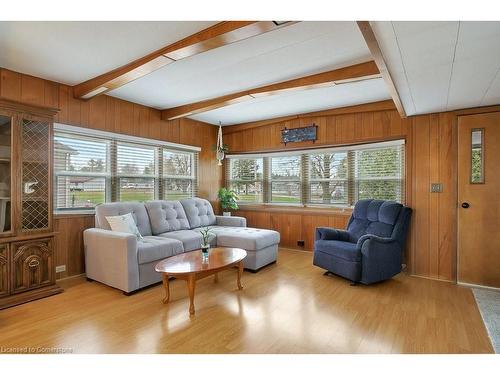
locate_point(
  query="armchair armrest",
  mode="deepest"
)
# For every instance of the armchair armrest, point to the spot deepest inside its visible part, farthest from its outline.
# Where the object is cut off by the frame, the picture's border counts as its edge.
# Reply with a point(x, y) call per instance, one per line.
point(375, 239)
point(324, 233)
point(111, 258)
point(231, 221)
point(380, 258)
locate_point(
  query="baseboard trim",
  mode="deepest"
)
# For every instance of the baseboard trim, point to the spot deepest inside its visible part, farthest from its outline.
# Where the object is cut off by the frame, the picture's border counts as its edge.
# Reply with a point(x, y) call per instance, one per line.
point(71, 277)
point(291, 249)
point(433, 278)
point(478, 286)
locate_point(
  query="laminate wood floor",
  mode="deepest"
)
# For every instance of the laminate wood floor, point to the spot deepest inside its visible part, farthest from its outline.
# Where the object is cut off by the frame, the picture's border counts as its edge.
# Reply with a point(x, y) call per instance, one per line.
point(289, 307)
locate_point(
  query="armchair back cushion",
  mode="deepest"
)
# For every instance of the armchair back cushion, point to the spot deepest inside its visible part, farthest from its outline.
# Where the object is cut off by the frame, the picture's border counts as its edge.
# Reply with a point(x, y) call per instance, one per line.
point(166, 216)
point(372, 216)
point(137, 210)
point(199, 212)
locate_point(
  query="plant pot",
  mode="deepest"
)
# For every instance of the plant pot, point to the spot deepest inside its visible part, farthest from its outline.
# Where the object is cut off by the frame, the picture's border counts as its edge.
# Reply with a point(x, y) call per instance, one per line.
point(205, 248)
point(226, 213)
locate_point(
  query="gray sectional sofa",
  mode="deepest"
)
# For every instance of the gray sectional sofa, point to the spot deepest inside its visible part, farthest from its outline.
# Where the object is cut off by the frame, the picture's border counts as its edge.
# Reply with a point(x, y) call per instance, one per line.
point(168, 228)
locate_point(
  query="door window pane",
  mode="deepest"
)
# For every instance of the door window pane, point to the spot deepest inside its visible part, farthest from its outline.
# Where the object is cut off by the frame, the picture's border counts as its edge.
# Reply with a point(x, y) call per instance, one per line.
point(477, 156)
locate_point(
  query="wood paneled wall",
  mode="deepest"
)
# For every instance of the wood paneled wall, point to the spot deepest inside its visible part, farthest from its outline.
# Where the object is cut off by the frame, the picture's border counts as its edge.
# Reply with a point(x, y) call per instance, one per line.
point(431, 157)
point(114, 115)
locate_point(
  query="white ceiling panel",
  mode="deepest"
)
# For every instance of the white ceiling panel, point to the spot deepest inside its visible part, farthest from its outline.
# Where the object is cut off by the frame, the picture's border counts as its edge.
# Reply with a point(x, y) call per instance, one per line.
point(427, 50)
point(300, 49)
point(441, 66)
point(298, 102)
point(73, 52)
point(492, 96)
point(477, 62)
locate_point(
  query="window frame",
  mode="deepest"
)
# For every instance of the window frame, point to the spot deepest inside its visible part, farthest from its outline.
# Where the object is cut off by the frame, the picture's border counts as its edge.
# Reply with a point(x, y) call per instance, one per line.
point(112, 176)
point(306, 180)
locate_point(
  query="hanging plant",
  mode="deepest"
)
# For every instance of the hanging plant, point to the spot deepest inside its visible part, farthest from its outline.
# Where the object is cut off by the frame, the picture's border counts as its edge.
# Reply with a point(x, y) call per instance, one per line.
point(220, 148)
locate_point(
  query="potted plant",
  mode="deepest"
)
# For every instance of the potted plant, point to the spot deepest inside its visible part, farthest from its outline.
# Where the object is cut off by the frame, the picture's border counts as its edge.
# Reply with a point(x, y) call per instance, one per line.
point(228, 200)
point(206, 236)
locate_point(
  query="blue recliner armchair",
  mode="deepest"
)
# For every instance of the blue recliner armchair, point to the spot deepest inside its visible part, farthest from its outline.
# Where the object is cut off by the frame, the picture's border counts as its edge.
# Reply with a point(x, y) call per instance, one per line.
point(371, 248)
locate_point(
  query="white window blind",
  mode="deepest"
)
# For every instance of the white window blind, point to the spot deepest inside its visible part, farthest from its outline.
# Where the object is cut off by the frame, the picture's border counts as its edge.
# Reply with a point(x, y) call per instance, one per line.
point(179, 174)
point(246, 177)
point(285, 179)
point(334, 176)
point(93, 167)
point(82, 171)
point(328, 178)
point(136, 172)
point(379, 173)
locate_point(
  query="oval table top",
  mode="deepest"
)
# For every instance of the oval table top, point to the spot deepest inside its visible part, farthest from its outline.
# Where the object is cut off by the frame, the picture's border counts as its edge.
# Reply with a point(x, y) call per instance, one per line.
point(192, 261)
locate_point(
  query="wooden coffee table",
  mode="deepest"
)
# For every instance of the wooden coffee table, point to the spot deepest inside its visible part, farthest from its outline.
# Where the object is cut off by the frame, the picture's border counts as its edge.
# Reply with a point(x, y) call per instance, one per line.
point(190, 267)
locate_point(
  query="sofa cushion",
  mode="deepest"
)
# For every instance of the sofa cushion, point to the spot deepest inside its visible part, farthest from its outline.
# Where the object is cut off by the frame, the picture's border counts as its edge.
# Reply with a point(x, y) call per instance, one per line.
point(166, 216)
point(191, 240)
point(199, 212)
point(340, 249)
point(252, 239)
point(137, 210)
point(153, 248)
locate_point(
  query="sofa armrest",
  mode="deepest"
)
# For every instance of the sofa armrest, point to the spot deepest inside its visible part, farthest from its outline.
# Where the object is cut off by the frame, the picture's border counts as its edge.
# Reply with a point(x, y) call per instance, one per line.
point(231, 221)
point(111, 258)
point(324, 233)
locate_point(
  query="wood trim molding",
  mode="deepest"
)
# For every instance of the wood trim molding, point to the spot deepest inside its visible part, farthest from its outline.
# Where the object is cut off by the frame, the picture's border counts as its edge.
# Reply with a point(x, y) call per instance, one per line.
point(353, 73)
point(385, 105)
point(373, 46)
point(34, 110)
point(218, 35)
point(315, 211)
point(477, 110)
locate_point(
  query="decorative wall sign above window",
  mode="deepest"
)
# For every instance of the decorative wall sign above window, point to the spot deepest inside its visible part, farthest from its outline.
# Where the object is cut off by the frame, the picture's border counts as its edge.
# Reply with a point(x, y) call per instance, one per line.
point(307, 133)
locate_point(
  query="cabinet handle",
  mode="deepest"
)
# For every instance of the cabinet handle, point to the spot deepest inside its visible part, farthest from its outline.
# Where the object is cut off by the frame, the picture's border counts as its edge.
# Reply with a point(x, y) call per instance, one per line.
point(33, 263)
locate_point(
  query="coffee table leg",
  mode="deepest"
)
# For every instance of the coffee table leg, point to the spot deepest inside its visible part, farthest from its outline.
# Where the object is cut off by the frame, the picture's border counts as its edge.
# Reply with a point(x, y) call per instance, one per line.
point(167, 289)
point(240, 272)
point(191, 284)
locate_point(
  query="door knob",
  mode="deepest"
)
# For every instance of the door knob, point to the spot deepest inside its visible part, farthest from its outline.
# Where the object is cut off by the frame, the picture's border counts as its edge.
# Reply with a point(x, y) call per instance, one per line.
point(465, 205)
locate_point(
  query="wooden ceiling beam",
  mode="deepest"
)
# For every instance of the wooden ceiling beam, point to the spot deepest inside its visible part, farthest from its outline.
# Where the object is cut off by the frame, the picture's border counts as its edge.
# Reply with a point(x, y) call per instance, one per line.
point(358, 72)
point(374, 47)
point(216, 36)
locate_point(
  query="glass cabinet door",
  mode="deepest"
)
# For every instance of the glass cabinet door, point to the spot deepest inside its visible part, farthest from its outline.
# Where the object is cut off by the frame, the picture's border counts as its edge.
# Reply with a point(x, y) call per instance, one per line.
point(35, 156)
point(5, 173)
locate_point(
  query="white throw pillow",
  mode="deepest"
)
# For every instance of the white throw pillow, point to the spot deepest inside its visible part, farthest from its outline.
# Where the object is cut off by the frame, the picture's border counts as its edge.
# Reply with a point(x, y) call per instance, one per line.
point(124, 223)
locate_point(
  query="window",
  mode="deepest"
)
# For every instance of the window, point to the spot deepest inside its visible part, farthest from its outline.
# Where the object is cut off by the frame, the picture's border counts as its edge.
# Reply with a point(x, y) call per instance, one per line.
point(379, 173)
point(179, 171)
point(285, 179)
point(328, 178)
point(82, 171)
point(136, 172)
point(246, 177)
point(93, 167)
point(336, 176)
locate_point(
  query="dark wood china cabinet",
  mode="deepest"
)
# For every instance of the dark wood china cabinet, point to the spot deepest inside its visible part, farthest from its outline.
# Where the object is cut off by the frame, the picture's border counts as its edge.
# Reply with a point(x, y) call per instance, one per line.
point(27, 269)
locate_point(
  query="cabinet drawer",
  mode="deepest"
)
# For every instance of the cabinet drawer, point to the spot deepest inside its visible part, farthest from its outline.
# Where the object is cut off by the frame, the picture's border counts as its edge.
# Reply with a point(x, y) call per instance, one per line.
point(32, 264)
point(4, 270)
